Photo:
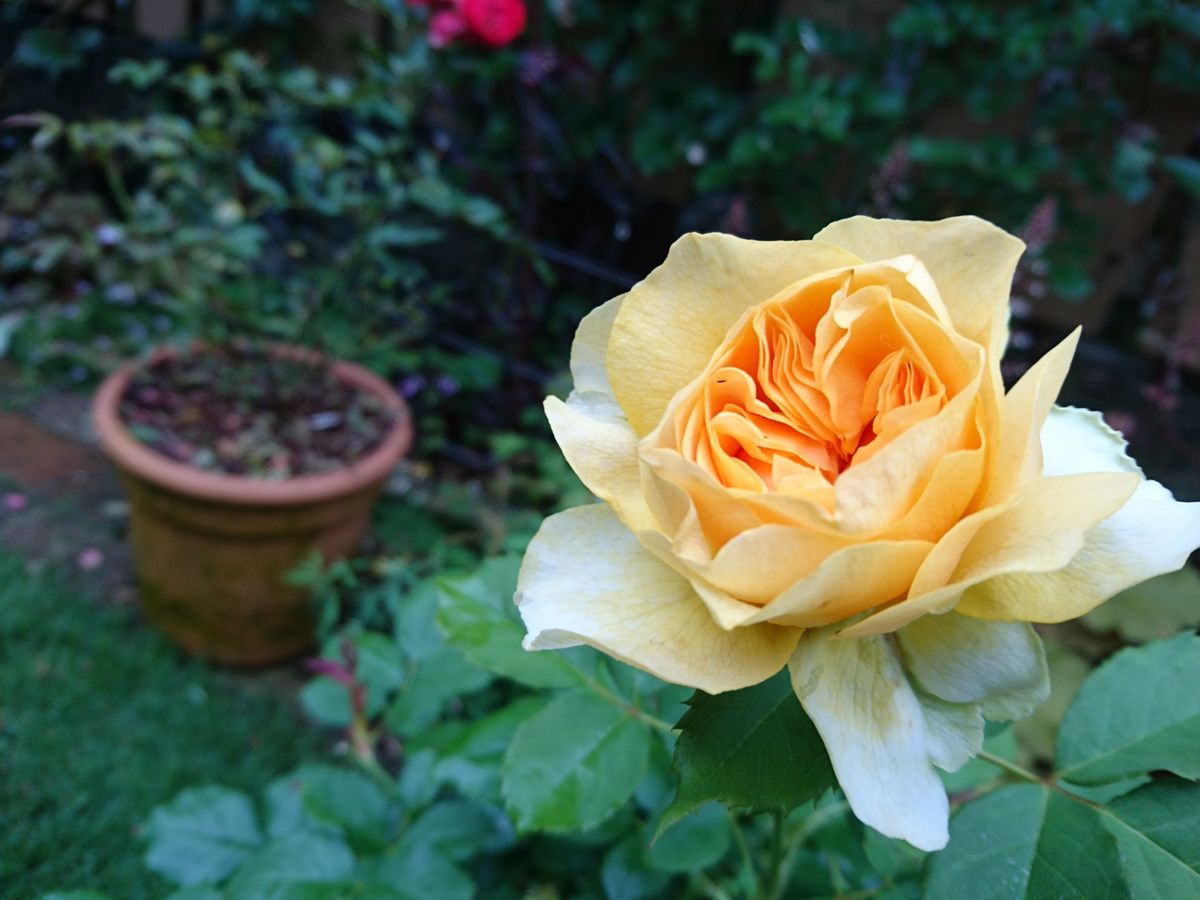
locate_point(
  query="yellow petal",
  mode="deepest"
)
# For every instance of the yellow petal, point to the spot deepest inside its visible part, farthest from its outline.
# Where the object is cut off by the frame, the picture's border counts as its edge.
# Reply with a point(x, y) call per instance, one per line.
point(586, 580)
point(881, 490)
point(944, 499)
point(971, 261)
point(1040, 531)
point(727, 611)
point(761, 563)
point(1023, 410)
point(847, 583)
point(672, 322)
point(600, 446)
point(589, 351)
point(1149, 535)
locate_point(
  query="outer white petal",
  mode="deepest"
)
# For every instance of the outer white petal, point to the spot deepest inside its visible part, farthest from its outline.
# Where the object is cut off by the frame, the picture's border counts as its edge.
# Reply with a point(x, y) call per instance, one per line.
point(873, 726)
point(1000, 665)
point(1151, 534)
point(600, 446)
point(953, 732)
point(586, 580)
point(1079, 440)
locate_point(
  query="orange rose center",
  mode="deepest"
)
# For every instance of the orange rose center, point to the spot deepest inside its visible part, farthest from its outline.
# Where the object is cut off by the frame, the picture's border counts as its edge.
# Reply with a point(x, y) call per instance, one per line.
point(818, 380)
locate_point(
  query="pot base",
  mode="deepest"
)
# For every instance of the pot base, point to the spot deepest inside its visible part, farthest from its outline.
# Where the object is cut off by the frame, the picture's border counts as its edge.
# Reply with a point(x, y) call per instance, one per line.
point(236, 560)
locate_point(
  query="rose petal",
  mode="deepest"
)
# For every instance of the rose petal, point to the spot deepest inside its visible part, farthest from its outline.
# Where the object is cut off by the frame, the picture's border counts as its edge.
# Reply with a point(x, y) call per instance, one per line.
point(1078, 440)
point(671, 323)
point(1149, 535)
point(847, 583)
point(589, 351)
point(1024, 409)
point(964, 660)
point(874, 728)
point(600, 446)
point(881, 490)
point(586, 580)
point(971, 261)
point(1039, 531)
point(953, 732)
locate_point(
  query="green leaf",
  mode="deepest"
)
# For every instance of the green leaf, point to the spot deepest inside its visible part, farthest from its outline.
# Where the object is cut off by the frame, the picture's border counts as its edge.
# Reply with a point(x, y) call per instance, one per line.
point(626, 875)
point(1068, 672)
point(380, 665)
point(349, 800)
point(470, 754)
point(1158, 835)
point(196, 892)
point(573, 764)
point(459, 829)
point(478, 616)
point(437, 680)
point(284, 800)
point(695, 842)
point(1026, 840)
point(1139, 712)
point(1155, 609)
point(753, 748)
point(289, 864)
point(327, 702)
point(415, 871)
point(202, 835)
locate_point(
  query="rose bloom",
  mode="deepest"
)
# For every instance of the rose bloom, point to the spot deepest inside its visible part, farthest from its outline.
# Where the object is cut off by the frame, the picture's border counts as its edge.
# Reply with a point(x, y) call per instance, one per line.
point(808, 459)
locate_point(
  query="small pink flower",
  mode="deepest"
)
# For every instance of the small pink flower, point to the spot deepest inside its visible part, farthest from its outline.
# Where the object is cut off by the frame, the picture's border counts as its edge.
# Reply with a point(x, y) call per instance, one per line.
point(446, 26)
point(15, 502)
point(89, 559)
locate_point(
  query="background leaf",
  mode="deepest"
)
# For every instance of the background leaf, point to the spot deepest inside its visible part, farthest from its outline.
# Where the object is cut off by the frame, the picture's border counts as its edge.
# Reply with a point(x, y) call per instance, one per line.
point(573, 763)
point(1139, 712)
point(202, 835)
point(478, 616)
point(693, 843)
point(289, 864)
point(1158, 834)
point(1026, 840)
point(1155, 609)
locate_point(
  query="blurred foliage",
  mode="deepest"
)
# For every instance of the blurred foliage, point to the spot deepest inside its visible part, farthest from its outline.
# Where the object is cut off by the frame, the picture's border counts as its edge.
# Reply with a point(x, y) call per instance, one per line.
point(238, 190)
point(475, 768)
point(245, 200)
point(771, 122)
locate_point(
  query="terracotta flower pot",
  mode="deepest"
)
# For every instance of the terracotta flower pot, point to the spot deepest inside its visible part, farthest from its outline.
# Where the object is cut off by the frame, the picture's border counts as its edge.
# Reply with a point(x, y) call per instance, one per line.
point(212, 550)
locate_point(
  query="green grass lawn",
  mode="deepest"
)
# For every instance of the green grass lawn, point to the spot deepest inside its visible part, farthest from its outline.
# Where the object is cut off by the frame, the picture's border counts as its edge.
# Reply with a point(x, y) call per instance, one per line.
point(101, 720)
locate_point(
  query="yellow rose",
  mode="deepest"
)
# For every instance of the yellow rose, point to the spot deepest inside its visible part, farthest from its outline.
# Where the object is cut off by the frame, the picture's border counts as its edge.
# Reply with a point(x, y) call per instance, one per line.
point(809, 459)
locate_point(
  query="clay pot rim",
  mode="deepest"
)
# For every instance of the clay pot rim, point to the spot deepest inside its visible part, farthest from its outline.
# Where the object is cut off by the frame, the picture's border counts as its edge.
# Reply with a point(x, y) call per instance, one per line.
point(130, 454)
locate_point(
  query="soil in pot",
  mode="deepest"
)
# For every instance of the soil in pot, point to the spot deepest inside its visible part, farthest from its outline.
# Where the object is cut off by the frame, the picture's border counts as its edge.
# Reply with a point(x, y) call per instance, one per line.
point(240, 464)
point(247, 412)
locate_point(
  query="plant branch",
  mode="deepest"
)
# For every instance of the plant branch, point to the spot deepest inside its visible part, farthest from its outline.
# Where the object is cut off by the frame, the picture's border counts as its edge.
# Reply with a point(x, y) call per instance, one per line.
point(1010, 767)
point(637, 712)
point(775, 882)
